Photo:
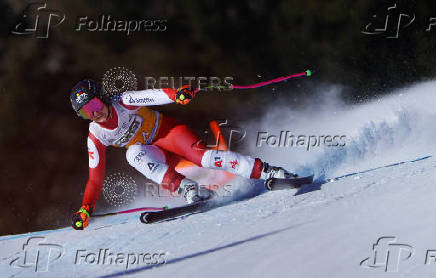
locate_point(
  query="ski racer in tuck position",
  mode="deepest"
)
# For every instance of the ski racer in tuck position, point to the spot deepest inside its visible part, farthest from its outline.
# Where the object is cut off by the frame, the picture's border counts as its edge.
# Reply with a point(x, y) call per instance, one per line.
point(155, 143)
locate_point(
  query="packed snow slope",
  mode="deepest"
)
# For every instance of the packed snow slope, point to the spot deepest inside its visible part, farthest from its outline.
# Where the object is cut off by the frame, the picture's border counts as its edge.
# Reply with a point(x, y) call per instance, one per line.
point(376, 223)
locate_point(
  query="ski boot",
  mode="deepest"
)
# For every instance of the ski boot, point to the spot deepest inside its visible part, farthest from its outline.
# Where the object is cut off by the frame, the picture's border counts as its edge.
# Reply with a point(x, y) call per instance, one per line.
point(270, 172)
point(278, 178)
point(192, 192)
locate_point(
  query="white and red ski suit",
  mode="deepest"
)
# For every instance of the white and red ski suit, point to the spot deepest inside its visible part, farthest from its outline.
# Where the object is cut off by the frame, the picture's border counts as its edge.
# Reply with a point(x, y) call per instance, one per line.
point(155, 144)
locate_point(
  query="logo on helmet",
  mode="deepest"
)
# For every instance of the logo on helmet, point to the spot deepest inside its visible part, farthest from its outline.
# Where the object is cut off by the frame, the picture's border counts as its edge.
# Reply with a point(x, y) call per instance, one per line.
point(81, 96)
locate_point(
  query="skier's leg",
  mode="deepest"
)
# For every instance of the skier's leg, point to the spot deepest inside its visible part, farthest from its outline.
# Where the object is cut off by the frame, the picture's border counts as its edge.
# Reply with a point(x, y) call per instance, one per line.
point(243, 165)
point(184, 142)
point(236, 163)
point(157, 165)
point(151, 161)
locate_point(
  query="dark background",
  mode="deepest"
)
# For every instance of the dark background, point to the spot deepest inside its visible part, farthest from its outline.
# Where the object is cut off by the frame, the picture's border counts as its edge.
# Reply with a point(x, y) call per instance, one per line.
point(43, 157)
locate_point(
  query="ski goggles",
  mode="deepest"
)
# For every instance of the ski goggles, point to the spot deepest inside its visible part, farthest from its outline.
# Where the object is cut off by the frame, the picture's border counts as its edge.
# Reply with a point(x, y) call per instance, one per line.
point(88, 109)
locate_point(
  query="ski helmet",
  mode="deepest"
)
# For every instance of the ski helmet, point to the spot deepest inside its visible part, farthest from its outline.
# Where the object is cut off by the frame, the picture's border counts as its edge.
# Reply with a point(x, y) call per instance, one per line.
point(84, 92)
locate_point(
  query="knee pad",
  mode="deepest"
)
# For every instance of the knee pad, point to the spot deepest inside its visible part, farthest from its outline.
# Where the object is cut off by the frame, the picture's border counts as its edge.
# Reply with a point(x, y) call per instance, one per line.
point(149, 160)
point(232, 162)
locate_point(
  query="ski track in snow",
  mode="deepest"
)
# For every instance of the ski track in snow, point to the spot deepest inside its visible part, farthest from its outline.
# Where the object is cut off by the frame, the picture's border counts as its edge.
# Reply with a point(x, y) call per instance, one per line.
point(322, 230)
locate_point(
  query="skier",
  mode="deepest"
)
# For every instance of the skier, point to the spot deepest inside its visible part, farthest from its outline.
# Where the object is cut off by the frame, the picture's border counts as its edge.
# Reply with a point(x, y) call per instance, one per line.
point(155, 143)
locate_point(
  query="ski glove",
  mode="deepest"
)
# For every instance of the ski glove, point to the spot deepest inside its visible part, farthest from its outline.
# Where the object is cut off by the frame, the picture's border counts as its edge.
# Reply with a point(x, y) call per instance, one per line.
point(80, 219)
point(184, 95)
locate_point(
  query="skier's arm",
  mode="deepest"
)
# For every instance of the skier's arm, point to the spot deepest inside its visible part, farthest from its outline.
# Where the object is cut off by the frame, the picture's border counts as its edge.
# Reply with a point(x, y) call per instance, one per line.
point(97, 167)
point(164, 96)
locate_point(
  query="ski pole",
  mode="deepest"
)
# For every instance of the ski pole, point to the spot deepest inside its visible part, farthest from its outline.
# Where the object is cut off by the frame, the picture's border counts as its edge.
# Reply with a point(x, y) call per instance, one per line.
point(130, 211)
point(257, 85)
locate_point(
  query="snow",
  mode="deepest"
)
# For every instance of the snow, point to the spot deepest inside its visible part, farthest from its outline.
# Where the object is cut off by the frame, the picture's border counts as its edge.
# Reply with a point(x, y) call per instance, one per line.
point(324, 230)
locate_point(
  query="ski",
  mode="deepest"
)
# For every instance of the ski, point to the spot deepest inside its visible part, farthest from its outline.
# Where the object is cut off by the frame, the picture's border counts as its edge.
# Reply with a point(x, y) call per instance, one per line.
point(280, 184)
point(130, 211)
point(156, 216)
